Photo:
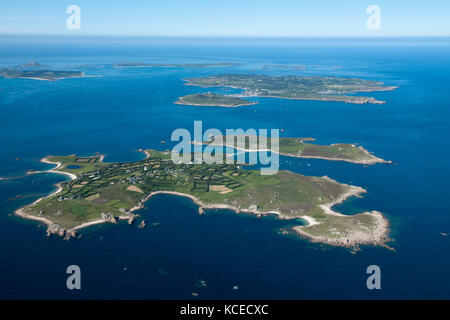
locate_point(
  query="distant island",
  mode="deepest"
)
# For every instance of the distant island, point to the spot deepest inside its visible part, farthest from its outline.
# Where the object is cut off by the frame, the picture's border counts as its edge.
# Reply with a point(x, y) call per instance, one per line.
point(301, 148)
point(295, 87)
point(31, 64)
point(185, 65)
point(49, 75)
point(101, 192)
point(210, 99)
point(289, 67)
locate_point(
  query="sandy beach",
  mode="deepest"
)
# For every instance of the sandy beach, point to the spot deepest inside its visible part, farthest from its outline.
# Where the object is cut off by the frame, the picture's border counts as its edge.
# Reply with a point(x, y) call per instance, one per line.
point(98, 221)
point(311, 221)
point(353, 191)
point(21, 212)
point(206, 206)
point(53, 170)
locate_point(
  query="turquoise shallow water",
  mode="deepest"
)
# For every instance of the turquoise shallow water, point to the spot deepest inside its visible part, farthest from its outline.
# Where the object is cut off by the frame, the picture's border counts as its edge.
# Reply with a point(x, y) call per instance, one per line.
point(127, 109)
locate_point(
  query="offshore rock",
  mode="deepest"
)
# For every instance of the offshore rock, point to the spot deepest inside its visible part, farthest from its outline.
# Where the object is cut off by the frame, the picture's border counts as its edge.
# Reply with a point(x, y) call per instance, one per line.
point(142, 224)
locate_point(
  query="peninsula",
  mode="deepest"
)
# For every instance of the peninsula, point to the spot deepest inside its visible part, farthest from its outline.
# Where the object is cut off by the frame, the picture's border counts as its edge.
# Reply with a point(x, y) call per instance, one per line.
point(101, 192)
point(300, 148)
point(213, 100)
point(295, 87)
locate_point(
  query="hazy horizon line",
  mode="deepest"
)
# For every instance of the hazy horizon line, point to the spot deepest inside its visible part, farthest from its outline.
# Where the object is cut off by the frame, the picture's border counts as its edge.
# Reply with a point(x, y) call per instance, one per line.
point(223, 36)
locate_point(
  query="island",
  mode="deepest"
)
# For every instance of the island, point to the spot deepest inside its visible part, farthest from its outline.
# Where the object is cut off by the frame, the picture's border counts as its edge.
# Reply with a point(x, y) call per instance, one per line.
point(48, 75)
point(289, 67)
point(295, 87)
point(31, 64)
point(100, 192)
point(213, 100)
point(167, 65)
point(299, 148)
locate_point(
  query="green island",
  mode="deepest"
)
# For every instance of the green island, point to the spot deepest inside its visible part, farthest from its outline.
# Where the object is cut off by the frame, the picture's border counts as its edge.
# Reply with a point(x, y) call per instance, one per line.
point(295, 87)
point(100, 192)
point(49, 75)
point(213, 100)
point(300, 148)
point(185, 65)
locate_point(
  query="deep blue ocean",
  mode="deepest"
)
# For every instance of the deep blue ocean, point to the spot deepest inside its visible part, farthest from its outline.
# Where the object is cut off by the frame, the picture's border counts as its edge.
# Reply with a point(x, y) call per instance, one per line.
point(127, 109)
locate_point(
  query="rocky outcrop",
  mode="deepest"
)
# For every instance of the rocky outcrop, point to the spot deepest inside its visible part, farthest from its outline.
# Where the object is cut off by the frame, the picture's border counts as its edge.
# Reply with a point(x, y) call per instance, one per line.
point(109, 217)
point(71, 233)
point(142, 224)
point(131, 219)
point(55, 228)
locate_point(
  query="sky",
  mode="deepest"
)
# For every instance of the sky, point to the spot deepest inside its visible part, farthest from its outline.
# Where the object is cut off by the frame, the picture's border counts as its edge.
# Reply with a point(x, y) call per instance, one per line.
point(228, 18)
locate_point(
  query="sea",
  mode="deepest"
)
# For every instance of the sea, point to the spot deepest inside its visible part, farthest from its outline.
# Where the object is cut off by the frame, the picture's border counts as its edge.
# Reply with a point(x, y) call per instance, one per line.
point(222, 255)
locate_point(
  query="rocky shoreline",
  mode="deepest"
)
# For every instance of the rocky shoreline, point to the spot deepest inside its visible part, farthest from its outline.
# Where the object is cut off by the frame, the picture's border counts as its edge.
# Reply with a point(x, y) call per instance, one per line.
point(379, 236)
